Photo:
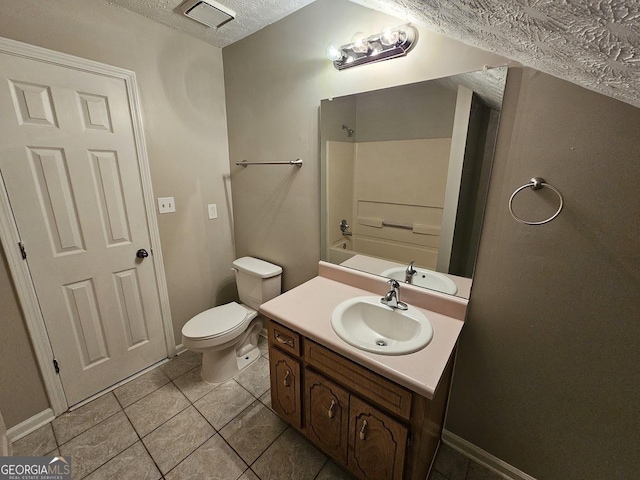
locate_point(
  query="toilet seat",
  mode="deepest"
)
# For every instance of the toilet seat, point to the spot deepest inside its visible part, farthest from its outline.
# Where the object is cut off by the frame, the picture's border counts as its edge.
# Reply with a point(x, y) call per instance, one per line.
point(219, 324)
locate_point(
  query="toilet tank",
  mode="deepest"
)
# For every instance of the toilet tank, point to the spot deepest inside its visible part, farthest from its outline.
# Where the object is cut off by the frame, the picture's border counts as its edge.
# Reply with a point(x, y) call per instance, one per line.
point(258, 281)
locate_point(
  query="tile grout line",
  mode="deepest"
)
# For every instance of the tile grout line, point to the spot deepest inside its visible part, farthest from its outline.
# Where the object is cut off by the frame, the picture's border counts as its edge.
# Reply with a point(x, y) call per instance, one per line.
point(156, 428)
point(265, 450)
point(257, 398)
point(253, 471)
point(55, 437)
point(239, 413)
point(219, 432)
point(187, 457)
point(200, 397)
point(84, 431)
point(215, 432)
point(145, 395)
point(191, 404)
point(322, 468)
point(140, 439)
point(238, 453)
point(117, 453)
point(162, 475)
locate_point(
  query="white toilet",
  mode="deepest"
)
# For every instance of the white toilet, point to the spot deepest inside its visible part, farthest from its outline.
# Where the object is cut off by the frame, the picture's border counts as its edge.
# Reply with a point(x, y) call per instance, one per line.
point(227, 335)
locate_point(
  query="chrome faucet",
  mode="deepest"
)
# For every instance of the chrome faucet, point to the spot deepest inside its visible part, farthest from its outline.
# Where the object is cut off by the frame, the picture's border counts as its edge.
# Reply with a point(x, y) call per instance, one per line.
point(410, 272)
point(392, 297)
point(344, 228)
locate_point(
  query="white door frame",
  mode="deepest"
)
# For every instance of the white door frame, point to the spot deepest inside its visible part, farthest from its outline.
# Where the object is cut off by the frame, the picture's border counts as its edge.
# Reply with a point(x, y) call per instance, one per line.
point(10, 237)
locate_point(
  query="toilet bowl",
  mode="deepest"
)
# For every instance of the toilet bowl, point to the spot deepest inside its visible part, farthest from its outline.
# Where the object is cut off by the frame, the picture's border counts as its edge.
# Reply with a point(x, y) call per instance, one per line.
point(227, 335)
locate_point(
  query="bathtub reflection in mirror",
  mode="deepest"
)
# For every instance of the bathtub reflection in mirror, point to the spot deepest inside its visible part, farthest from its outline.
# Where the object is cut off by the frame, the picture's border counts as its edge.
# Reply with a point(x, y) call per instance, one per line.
point(405, 173)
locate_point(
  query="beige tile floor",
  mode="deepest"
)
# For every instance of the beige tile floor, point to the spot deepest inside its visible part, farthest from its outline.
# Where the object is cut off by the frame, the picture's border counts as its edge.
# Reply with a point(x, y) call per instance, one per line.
point(170, 424)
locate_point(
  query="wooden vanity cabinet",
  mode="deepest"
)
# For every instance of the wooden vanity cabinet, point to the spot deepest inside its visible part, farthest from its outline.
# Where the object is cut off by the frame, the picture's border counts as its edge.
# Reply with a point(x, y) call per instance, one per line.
point(327, 415)
point(373, 427)
point(377, 443)
point(285, 387)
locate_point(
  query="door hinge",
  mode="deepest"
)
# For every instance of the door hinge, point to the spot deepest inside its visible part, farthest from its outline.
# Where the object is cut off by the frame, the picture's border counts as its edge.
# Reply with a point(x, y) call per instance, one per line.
point(56, 366)
point(23, 251)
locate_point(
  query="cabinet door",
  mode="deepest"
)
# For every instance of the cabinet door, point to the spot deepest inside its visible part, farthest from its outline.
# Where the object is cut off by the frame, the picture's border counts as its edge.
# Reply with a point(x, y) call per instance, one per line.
point(285, 386)
point(377, 443)
point(327, 414)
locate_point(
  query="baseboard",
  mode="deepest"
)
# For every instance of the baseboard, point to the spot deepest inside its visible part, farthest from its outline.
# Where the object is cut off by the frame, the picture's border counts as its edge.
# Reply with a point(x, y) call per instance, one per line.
point(30, 424)
point(485, 459)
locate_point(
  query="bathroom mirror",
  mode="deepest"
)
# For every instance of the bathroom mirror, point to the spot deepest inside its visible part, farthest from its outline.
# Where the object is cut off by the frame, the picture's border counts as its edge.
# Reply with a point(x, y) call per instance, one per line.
point(405, 173)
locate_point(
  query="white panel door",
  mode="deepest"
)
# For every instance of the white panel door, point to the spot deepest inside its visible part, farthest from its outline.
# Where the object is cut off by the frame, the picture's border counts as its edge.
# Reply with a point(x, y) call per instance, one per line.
point(69, 162)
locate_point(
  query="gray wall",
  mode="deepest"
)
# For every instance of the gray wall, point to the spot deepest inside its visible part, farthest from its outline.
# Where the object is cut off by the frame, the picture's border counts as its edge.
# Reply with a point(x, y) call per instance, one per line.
point(22, 393)
point(182, 92)
point(547, 376)
point(421, 110)
point(274, 81)
point(338, 112)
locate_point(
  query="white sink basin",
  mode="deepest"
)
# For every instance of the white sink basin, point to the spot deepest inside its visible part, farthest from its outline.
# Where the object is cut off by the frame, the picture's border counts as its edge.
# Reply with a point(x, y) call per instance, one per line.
point(369, 325)
point(424, 278)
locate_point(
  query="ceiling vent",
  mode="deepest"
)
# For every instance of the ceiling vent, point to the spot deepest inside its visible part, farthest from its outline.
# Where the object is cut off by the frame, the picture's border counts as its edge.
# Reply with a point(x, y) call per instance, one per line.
point(208, 12)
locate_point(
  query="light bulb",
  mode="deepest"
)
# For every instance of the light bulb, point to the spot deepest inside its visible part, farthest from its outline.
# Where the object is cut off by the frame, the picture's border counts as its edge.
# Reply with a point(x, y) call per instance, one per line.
point(359, 43)
point(389, 37)
point(334, 53)
point(357, 37)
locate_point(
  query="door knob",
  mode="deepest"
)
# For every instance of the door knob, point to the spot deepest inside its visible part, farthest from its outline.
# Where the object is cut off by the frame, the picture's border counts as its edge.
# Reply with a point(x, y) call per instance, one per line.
point(142, 253)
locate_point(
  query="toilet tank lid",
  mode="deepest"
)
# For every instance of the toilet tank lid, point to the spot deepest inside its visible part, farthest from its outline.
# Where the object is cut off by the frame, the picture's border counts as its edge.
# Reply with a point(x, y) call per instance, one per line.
point(257, 267)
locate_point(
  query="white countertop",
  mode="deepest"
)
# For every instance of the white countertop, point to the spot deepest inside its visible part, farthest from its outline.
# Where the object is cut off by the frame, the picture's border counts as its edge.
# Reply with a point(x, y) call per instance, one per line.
point(307, 310)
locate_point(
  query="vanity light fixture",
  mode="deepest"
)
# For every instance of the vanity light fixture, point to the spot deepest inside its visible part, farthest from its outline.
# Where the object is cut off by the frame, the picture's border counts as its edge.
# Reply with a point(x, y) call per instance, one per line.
point(391, 43)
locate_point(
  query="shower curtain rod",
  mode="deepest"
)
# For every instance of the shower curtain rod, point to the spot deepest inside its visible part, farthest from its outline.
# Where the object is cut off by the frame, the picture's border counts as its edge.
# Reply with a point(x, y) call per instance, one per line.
point(297, 162)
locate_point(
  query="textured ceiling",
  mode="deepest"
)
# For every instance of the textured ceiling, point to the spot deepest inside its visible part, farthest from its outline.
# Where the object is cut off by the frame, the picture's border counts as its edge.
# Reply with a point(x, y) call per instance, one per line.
point(251, 16)
point(594, 43)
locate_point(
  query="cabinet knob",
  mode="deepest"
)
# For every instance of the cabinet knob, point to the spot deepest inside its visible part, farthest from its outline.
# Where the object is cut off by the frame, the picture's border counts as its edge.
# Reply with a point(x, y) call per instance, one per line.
point(330, 412)
point(285, 382)
point(363, 434)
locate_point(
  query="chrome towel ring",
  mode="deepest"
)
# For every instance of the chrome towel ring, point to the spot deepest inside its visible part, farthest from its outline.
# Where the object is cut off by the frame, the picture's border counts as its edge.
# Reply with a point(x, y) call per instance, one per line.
point(536, 183)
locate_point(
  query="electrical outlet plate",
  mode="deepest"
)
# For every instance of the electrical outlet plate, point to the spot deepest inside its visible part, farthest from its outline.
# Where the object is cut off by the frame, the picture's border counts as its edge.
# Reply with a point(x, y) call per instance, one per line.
point(213, 211)
point(166, 205)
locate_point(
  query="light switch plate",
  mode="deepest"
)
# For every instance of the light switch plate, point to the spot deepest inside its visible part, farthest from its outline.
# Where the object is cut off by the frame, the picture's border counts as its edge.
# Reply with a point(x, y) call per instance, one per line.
point(166, 205)
point(213, 211)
